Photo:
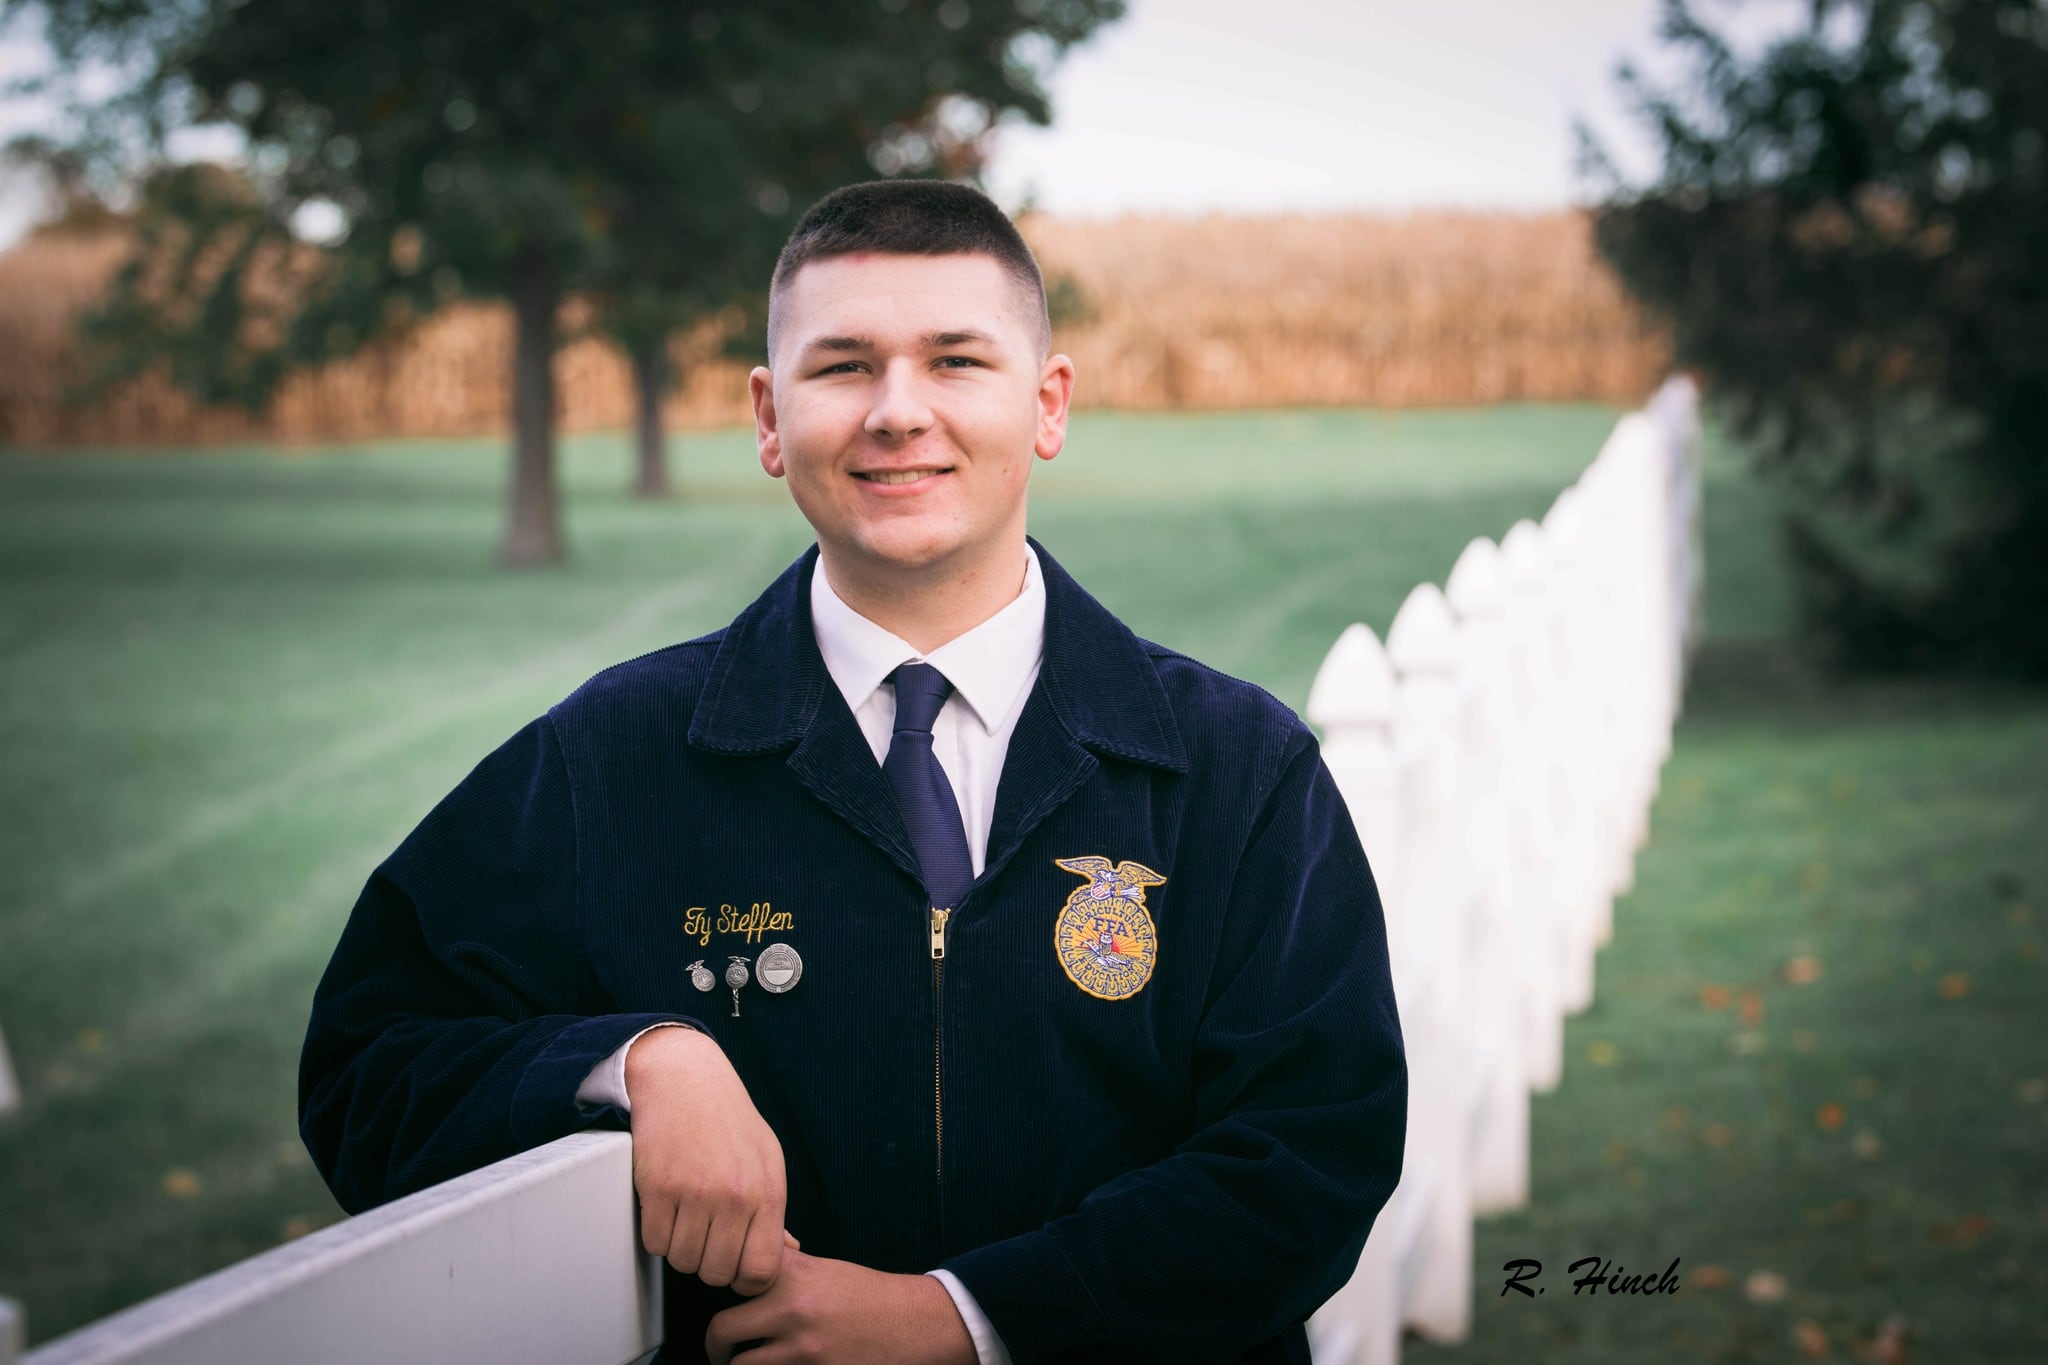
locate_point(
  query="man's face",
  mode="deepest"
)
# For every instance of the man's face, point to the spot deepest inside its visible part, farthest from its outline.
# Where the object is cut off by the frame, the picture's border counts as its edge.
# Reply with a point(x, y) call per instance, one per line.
point(906, 403)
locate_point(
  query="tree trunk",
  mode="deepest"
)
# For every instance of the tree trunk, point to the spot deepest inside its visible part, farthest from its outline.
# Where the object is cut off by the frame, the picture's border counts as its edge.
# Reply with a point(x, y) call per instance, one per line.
point(534, 535)
point(650, 382)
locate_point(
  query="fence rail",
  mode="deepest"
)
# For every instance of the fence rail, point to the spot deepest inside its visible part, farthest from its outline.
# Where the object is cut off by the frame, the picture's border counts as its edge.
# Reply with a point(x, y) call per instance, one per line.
point(535, 1260)
point(1498, 752)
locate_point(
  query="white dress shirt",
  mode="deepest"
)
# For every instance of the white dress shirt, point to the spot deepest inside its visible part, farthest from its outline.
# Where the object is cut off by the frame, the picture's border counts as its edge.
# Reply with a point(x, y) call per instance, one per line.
point(992, 668)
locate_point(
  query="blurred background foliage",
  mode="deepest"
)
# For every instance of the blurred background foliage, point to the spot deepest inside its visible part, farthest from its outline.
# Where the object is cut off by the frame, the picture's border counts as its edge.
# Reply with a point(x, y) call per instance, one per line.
point(1846, 240)
point(649, 156)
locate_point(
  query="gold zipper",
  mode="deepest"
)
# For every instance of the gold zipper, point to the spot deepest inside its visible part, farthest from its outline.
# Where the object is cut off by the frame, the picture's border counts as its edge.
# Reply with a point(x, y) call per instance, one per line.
point(938, 930)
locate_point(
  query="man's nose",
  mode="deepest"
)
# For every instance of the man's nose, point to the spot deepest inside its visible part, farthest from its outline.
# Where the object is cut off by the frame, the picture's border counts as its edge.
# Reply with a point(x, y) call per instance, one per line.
point(899, 412)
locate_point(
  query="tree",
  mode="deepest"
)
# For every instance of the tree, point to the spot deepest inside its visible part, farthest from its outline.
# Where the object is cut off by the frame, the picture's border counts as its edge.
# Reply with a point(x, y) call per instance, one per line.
point(650, 153)
point(1844, 237)
point(825, 95)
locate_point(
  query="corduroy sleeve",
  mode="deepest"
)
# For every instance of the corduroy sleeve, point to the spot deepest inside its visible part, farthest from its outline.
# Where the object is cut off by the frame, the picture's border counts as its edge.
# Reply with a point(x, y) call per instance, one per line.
point(1301, 1087)
point(459, 1012)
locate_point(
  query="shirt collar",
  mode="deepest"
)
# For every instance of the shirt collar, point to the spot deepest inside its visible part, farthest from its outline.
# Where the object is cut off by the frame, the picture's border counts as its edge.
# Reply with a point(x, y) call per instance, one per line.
point(988, 666)
point(766, 681)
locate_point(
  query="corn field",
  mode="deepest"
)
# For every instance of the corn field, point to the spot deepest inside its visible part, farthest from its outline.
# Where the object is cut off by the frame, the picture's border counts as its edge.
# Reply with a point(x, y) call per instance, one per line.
point(1210, 312)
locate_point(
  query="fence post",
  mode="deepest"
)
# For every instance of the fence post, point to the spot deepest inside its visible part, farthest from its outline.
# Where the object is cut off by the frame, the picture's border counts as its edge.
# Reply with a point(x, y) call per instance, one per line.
point(1353, 701)
point(1423, 645)
point(1526, 610)
point(1500, 1165)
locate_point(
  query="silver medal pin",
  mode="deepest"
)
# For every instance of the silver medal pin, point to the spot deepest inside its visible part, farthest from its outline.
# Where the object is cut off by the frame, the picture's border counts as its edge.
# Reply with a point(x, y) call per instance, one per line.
point(779, 968)
point(736, 977)
point(701, 977)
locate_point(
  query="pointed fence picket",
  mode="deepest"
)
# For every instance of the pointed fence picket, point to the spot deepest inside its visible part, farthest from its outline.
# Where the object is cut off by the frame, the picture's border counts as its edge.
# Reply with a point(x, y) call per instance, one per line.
point(1499, 757)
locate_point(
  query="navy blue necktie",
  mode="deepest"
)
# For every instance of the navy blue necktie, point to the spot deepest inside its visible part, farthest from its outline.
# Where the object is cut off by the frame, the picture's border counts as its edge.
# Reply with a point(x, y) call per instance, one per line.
point(922, 792)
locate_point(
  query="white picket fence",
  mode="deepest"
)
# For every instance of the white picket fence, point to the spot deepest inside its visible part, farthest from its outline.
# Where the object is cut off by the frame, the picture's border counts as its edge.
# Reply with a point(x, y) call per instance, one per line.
point(535, 1260)
point(1499, 752)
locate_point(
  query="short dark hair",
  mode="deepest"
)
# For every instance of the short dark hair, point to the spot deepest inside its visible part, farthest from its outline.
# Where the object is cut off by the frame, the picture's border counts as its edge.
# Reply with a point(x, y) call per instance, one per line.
point(912, 218)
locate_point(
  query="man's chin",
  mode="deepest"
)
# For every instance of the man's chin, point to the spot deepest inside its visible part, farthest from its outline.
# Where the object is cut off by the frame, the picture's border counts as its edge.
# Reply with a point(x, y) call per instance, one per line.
point(907, 549)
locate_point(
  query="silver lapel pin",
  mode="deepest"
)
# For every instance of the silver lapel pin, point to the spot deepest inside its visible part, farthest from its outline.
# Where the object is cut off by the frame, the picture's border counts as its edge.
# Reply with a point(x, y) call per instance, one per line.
point(736, 977)
point(779, 968)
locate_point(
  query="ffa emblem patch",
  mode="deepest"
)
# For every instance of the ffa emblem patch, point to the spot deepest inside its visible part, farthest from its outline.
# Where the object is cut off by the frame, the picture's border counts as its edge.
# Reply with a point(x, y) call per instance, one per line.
point(1104, 936)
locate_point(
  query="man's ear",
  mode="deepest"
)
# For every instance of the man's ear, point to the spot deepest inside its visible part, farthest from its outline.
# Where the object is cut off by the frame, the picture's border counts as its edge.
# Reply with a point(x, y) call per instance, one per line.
point(761, 389)
point(1055, 397)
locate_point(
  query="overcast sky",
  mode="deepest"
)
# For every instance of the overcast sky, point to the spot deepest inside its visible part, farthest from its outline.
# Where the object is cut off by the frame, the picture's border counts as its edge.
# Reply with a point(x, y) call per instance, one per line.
point(1269, 105)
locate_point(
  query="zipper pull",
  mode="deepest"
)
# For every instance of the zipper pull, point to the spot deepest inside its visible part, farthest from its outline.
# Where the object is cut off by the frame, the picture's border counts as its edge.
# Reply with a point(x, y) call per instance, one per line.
point(939, 918)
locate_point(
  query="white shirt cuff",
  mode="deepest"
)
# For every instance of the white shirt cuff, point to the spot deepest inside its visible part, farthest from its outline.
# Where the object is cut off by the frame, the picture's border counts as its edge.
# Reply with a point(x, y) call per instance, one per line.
point(606, 1083)
point(988, 1347)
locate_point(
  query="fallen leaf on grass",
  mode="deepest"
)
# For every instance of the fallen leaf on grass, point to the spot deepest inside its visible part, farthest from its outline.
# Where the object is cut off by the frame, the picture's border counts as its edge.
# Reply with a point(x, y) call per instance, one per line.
point(1955, 985)
point(295, 1228)
point(1716, 1135)
point(1961, 1233)
point(1803, 970)
point(181, 1183)
point(1677, 1117)
point(1888, 1347)
point(1714, 997)
point(1829, 1117)
point(1866, 1146)
point(92, 1039)
point(1752, 1008)
point(1810, 1338)
point(1764, 1286)
point(1601, 1054)
point(1711, 1277)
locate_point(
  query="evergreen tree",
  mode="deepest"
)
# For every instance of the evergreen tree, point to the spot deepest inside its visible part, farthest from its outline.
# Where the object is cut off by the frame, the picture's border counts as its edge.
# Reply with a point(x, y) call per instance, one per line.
point(1846, 238)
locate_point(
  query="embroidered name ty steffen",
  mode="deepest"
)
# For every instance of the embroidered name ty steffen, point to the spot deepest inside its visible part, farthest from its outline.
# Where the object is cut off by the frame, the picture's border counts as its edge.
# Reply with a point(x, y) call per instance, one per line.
point(751, 924)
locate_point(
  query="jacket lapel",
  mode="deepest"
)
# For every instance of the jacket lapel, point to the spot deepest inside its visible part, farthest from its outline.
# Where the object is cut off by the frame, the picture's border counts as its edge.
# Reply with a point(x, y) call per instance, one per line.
point(1097, 696)
point(769, 690)
point(1097, 693)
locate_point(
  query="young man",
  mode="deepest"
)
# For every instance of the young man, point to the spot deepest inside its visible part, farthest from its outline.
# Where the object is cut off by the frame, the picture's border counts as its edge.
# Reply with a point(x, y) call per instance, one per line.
point(1029, 974)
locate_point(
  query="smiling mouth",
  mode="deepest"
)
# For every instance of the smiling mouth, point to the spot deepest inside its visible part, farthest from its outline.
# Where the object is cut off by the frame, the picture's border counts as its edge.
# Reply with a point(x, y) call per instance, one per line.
point(896, 476)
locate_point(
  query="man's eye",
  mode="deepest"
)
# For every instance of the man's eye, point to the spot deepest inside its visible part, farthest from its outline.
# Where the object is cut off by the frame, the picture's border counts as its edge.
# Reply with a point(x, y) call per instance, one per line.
point(844, 364)
point(963, 359)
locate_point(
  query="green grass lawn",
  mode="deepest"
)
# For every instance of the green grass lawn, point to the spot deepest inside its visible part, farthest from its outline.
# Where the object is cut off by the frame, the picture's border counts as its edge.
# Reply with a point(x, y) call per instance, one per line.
point(230, 682)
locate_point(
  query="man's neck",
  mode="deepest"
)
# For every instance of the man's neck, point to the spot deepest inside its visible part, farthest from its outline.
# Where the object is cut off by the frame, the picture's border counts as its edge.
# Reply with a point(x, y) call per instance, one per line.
point(927, 608)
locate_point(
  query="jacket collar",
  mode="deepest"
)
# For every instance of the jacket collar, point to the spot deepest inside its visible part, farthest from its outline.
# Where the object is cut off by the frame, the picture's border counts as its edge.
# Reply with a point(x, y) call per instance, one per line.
point(768, 681)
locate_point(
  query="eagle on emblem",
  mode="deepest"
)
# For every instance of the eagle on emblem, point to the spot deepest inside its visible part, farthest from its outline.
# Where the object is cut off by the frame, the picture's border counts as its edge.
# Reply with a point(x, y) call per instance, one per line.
point(1125, 880)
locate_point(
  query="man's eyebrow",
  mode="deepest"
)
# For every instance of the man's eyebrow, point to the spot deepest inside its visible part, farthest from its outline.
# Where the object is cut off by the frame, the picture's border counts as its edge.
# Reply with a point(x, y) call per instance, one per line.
point(839, 344)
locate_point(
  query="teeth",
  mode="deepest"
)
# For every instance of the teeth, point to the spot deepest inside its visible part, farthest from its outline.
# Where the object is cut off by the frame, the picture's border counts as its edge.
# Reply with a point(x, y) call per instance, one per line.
point(900, 476)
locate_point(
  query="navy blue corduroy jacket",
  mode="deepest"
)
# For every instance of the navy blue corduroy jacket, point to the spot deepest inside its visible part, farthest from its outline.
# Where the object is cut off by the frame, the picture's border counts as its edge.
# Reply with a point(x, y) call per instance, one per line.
point(1182, 1174)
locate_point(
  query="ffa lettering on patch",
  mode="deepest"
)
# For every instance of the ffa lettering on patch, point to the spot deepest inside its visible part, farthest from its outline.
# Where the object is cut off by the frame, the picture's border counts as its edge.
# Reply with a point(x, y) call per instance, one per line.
point(1104, 936)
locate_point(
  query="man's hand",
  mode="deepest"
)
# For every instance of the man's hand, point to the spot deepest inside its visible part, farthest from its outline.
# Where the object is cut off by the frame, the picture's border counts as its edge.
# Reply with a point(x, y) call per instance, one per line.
point(706, 1165)
point(835, 1311)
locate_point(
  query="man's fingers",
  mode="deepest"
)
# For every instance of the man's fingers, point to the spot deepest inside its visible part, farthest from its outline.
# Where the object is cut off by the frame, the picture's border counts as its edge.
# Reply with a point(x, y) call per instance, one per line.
point(751, 1321)
point(789, 1240)
point(686, 1243)
point(760, 1259)
point(657, 1225)
point(724, 1240)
